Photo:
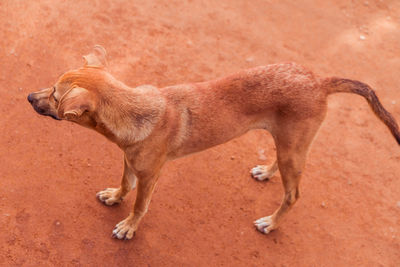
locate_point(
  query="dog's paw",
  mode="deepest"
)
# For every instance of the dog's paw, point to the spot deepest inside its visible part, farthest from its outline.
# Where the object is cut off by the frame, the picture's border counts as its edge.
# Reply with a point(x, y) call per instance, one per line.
point(110, 196)
point(261, 173)
point(124, 229)
point(265, 224)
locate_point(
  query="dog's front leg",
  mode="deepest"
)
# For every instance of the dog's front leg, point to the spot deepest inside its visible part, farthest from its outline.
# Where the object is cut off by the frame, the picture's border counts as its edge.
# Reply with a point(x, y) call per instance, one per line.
point(126, 228)
point(111, 196)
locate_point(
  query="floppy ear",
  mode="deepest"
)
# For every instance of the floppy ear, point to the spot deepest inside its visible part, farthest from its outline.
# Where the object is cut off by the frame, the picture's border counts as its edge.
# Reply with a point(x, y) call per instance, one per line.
point(74, 103)
point(97, 57)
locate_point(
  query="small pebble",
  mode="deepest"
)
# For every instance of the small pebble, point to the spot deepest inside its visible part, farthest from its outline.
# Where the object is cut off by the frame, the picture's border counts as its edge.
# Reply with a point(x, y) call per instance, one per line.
point(232, 157)
point(393, 102)
point(58, 223)
point(250, 59)
point(362, 37)
point(323, 204)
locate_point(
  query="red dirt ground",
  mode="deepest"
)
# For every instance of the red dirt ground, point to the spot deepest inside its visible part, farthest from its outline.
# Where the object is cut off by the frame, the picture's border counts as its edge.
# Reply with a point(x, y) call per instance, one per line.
point(204, 204)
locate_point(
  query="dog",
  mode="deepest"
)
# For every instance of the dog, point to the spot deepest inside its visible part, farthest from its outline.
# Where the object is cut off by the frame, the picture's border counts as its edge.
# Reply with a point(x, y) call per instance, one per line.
point(153, 125)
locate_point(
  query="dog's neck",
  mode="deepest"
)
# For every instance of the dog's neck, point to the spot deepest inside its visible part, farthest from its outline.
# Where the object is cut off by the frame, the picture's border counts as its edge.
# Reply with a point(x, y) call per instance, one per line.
point(129, 115)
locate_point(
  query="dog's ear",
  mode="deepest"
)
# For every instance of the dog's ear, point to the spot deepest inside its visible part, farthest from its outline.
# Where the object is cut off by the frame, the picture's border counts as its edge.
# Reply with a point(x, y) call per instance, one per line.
point(98, 57)
point(74, 103)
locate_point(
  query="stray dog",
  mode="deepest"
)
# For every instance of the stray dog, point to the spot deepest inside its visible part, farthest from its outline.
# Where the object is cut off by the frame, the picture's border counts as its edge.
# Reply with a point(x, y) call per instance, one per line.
point(153, 125)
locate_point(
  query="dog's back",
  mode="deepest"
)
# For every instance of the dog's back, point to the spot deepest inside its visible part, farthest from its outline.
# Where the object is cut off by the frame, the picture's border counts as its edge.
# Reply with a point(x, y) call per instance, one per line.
point(214, 112)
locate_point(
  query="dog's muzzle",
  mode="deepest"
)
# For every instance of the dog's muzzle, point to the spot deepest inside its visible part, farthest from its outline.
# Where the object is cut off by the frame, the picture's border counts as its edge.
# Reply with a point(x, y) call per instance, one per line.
point(40, 110)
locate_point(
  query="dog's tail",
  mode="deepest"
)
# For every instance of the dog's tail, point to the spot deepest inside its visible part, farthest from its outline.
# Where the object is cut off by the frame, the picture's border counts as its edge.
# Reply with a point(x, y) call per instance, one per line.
point(339, 85)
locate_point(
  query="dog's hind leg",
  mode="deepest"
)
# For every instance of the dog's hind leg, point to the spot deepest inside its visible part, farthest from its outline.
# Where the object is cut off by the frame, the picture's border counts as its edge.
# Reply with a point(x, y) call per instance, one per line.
point(264, 172)
point(111, 196)
point(292, 143)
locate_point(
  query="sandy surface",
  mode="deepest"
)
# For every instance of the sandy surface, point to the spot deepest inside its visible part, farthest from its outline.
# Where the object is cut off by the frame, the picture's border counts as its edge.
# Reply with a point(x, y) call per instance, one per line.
point(204, 204)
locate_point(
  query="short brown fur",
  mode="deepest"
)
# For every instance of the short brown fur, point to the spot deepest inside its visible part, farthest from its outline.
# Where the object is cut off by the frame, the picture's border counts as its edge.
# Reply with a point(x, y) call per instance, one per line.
point(153, 125)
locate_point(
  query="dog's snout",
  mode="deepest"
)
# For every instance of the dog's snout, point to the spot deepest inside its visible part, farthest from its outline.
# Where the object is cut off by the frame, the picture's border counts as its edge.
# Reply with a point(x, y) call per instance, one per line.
point(30, 98)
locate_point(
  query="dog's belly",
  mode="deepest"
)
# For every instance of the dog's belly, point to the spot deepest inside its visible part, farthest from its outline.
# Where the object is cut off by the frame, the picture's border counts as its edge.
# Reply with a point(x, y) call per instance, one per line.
point(207, 132)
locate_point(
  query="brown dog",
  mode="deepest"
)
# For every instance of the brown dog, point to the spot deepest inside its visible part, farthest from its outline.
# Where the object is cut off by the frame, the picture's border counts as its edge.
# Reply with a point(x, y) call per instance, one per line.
point(152, 125)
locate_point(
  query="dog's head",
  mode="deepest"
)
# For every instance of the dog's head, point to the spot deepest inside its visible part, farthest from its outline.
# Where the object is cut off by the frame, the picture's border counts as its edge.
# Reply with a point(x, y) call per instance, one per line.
point(92, 97)
point(73, 96)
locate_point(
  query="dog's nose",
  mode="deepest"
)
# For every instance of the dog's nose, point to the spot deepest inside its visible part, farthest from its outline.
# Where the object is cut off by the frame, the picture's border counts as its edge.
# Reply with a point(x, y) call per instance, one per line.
point(30, 98)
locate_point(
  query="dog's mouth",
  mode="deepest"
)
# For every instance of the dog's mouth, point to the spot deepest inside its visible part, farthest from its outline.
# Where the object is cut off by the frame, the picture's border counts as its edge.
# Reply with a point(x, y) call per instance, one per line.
point(54, 117)
point(39, 108)
point(44, 112)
